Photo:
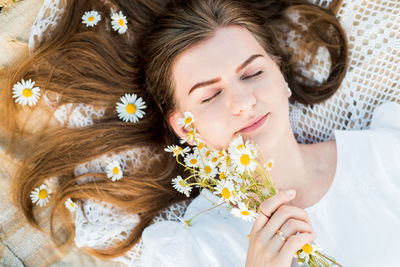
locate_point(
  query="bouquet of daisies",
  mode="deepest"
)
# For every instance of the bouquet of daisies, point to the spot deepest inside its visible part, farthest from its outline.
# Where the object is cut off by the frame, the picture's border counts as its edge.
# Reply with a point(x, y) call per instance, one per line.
point(239, 176)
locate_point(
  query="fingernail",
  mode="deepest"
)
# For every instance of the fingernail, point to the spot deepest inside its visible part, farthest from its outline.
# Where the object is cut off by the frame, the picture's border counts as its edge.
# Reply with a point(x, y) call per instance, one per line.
point(291, 192)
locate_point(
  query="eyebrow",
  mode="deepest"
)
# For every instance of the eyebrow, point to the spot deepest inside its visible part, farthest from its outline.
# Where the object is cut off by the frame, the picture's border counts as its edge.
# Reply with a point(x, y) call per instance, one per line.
point(215, 80)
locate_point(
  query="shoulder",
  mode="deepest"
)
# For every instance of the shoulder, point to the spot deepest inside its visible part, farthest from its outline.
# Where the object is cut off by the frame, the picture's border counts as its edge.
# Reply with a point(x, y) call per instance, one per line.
point(386, 116)
point(375, 148)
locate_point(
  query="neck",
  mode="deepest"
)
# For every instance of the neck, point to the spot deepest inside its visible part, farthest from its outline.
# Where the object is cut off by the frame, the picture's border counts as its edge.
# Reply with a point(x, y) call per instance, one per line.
point(300, 167)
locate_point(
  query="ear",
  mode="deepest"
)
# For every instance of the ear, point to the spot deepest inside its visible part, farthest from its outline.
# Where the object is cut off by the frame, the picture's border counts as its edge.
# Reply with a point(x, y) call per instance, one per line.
point(173, 122)
point(289, 92)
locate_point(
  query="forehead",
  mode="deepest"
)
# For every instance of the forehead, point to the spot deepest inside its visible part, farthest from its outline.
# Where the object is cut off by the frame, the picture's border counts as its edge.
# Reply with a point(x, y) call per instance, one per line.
point(224, 52)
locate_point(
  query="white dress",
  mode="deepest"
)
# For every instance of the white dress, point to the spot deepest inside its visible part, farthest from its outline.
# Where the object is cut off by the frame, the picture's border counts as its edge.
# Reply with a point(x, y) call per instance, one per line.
point(357, 221)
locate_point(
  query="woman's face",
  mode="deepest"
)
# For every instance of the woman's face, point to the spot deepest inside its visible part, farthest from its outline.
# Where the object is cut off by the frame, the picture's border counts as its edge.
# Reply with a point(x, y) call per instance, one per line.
point(228, 82)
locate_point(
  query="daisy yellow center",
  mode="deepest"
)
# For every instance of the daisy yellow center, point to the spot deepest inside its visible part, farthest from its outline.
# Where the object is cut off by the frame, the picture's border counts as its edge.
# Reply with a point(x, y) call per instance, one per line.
point(43, 194)
point(121, 22)
point(193, 161)
point(208, 153)
point(115, 170)
point(245, 160)
point(207, 169)
point(130, 108)
point(214, 159)
point(91, 18)
point(178, 150)
point(222, 176)
point(182, 183)
point(221, 153)
point(225, 193)
point(190, 133)
point(240, 147)
point(269, 165)
point(27, 92)
point(188, 120)
point(201, 145)
point(72, 204)
point(245, 212)
point(307, 248)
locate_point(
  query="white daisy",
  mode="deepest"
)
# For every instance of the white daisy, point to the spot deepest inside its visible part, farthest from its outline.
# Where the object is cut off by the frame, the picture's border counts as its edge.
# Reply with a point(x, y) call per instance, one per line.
point(225, 190)
point(190, 136)
point(222, 175)
point(215, 158)
point(192, 161)
point(25, 93)
point(269, 164)
point(244, 161)
point(235, 145)
point(119, 22)
point(70, 205)
point(41, 195)
point(208, 170)
point(130, 109)
point(181, 186)
point(91, 18)
point(114, 171)
point(187, 120)
point(244, 213)
point(306, 251)
point(177, 150)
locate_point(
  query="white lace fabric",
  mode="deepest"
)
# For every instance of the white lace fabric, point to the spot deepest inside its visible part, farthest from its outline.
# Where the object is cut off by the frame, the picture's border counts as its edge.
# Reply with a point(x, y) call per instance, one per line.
point(372, 28)
point(372, 78)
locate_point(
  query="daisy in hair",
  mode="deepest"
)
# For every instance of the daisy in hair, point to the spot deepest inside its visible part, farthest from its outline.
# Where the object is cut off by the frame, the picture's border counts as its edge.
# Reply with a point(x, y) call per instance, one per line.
point(25, 93)
point(130, 109)
point(41, 195)
point(91, 18)
point(119, 22)
point(114, 171)
point(70, 205)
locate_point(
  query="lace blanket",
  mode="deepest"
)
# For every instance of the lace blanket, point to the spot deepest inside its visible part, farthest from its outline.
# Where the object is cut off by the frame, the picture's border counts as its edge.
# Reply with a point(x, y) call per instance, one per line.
point(372, 79)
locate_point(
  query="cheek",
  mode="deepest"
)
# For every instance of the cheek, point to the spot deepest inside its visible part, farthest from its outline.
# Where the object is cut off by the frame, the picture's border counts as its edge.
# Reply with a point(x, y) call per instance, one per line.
point(214, 129)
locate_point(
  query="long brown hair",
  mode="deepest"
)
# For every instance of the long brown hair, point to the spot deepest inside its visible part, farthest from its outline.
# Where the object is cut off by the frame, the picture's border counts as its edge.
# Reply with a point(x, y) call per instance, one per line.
point(96, 66)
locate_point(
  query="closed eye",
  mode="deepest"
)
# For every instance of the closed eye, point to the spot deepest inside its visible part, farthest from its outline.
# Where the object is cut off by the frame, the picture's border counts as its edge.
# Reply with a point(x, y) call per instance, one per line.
point(253, 75)
point(209, 99)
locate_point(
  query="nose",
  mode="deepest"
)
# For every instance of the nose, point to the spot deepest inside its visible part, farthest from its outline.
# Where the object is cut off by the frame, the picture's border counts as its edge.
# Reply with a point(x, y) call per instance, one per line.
point(242, 99)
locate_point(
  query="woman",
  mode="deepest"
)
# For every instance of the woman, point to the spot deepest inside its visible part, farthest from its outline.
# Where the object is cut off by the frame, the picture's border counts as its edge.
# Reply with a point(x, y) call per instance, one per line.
point(167, 82)
point(232, 84)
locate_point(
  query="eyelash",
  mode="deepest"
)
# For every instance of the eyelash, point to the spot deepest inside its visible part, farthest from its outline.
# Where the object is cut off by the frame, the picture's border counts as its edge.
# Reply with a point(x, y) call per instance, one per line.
point(245, 78)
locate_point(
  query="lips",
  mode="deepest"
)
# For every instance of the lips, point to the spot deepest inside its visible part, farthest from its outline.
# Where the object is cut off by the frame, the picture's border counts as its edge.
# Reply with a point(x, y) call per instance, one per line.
point(254, 123)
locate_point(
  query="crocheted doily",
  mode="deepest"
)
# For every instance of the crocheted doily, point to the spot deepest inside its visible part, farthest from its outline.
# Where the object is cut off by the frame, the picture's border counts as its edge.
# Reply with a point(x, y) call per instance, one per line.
point(372, 79)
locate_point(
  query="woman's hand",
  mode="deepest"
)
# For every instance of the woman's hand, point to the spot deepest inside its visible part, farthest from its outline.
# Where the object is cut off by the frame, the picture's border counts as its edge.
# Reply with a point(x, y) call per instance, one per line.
point(266, 246)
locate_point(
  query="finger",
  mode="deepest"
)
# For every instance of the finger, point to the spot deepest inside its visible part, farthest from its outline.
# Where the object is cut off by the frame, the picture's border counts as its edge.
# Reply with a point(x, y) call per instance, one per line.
point(291, 227)
point(294, 243)
point(269, 206)
point(283, 214)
